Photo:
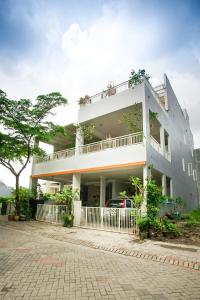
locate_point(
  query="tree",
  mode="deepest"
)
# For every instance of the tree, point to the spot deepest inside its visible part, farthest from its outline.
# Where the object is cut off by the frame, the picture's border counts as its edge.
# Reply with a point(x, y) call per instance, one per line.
point(22, 124)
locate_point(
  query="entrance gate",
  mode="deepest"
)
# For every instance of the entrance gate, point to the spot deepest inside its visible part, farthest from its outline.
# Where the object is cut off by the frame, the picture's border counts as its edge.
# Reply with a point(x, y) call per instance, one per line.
point(110, 219)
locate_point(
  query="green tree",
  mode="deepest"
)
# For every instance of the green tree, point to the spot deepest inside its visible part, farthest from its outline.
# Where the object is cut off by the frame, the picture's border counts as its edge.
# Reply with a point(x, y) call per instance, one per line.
point(23, 123)
point(138, 78)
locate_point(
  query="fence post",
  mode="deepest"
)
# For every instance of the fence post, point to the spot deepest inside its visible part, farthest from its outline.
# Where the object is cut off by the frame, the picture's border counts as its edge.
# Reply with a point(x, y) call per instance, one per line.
point(119, 225)
point(86, 215)
point(101, 211)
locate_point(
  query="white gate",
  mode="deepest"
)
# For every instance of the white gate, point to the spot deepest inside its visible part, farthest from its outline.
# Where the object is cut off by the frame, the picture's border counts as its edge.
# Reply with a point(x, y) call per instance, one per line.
point(51, 213)
point(110, 219)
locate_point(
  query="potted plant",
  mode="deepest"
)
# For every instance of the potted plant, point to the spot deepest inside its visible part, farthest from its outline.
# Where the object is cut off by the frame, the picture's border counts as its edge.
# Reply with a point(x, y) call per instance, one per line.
point(111, 90)
point(68, 220)
point(84, 100)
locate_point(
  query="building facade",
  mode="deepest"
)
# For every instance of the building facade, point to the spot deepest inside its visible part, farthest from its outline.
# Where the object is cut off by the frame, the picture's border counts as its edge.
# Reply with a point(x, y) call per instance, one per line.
point(133, 128)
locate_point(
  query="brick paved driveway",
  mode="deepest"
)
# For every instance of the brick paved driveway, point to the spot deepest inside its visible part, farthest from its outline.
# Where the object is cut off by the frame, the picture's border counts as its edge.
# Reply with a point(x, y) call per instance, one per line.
point(33, 266)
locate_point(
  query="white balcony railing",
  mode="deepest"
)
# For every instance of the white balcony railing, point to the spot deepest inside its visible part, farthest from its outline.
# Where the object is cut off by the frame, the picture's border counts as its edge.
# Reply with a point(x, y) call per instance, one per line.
point(156, 145)
point(125, 140)
point(158, 148)
point(57, 155)
point(117, 89)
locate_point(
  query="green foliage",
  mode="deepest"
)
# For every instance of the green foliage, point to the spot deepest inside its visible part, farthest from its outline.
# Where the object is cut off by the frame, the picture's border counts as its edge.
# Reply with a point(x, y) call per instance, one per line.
point(170, 227)
point(138, 78)
point(47, 197)
point(24, 123)
point(25, 195)
point(143, 224)
point(84, 100)
point(153, 115)
point(68, 220)
point(66, 197)
point(88, 131)
point(193, 218)
point(132, 119)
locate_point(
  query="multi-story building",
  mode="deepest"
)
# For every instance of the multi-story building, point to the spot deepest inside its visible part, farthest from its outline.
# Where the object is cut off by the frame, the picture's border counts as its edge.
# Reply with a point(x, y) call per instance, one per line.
point(133, 127)
point(197, 173)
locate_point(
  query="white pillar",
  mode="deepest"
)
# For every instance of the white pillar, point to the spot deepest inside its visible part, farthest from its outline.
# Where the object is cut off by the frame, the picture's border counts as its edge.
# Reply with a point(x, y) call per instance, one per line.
point(171, 188)
point(33, 182)
point(102, 191)
point(76, 185)
point(114, 194)
point(61, 186)
point(79, 141)
point(162, 139)
point(145, 177)
point(164, 184)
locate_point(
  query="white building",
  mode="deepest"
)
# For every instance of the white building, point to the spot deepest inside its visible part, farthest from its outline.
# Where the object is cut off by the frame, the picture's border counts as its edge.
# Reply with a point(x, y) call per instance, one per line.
point(160, 136)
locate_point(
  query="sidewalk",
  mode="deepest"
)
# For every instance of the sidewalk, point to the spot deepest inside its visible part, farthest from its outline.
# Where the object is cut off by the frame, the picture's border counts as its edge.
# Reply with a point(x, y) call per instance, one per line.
point(124, 244)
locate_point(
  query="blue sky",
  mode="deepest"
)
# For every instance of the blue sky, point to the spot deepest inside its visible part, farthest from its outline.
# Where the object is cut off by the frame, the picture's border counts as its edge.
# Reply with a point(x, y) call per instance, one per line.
point(76, 47)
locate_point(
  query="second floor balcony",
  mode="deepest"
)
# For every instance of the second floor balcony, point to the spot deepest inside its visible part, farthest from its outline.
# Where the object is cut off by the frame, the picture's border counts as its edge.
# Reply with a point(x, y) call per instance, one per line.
point(110, 143)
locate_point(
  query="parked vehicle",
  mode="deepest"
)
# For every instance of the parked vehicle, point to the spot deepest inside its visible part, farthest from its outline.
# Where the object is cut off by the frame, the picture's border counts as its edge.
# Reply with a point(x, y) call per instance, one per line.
point(119, 211)
point(120, 202)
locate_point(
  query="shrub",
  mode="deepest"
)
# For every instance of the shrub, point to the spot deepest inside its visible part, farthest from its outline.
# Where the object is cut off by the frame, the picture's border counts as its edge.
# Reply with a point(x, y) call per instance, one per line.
point(68, 220)
point(143, 224)
point(170, 227)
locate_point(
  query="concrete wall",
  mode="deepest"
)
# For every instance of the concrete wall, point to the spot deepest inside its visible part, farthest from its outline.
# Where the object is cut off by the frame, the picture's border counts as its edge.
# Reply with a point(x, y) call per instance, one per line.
point(111, 104)
point(177, 125)
point(108, 157)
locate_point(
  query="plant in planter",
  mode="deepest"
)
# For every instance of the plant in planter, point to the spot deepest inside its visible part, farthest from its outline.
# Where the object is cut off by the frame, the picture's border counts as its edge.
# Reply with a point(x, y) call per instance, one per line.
point(84, 100)
point(169, 229)
point(68, 220)
point(111, 90)
point(66, 197)
point(138, 78)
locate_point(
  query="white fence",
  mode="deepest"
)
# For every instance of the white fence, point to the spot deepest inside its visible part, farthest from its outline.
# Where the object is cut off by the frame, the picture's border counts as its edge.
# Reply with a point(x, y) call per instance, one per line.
point(51, 213)
point(125, 140)
point(111, 219)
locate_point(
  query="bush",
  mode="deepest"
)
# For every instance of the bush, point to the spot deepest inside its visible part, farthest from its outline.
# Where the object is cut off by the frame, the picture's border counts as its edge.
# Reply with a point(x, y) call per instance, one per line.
point(68, 220)
point(170, 227)
point(143, 224)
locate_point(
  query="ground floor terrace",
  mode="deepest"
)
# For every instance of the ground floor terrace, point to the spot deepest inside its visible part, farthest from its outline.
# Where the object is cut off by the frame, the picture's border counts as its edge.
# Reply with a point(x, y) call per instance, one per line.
point(98, 185)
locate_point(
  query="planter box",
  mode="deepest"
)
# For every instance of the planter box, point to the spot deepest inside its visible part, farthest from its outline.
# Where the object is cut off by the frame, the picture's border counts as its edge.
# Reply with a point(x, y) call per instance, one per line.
point(3, 217)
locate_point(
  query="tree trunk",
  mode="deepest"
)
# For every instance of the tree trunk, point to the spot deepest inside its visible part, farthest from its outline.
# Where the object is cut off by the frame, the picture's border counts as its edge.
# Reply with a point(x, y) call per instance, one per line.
point(17, 201)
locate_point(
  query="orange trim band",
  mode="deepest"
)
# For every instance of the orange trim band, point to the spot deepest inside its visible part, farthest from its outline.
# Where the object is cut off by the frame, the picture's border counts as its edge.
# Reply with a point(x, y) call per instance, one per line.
point(140, 163)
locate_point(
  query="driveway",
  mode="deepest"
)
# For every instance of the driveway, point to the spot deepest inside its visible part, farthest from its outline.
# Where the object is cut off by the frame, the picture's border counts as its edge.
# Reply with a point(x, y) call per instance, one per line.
point(36, 265)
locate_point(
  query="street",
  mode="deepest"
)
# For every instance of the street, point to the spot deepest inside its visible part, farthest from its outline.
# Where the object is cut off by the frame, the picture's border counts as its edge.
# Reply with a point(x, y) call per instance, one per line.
point(33, 266)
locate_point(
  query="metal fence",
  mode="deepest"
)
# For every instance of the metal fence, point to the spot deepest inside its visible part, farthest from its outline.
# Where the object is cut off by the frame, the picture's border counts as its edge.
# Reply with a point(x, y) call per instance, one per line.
point(111, 219)
point(50, 213)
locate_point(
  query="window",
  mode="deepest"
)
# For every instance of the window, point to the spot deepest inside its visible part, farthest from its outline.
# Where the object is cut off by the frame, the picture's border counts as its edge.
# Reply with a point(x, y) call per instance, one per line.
point(195, 175)
point(128, 203)
point(184, 139)
point(189, 169)
point(183, 164)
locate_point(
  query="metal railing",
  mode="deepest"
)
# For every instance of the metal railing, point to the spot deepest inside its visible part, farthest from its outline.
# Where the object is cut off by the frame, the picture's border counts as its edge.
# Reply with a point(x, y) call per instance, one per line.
point(125, 140)
point(57, 155)
point(117, 88)
point(51, 213)
point(111, 219)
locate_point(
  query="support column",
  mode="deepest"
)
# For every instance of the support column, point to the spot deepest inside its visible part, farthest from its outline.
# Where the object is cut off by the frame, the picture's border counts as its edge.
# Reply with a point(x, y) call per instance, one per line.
point(61, 186)
point(102, 191)
point(79, 141)
point(171, 188)
point(114, 194)
point(145, 177)
point(162, 139)
point(164, 184)
point(33, 182)
point(76, 185)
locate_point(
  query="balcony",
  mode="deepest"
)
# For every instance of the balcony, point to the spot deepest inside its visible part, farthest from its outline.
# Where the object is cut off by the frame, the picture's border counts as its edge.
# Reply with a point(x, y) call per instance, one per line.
point(121, 141)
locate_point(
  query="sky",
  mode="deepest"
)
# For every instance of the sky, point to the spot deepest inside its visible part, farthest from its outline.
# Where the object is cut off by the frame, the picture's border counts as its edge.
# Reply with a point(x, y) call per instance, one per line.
point(77, 47)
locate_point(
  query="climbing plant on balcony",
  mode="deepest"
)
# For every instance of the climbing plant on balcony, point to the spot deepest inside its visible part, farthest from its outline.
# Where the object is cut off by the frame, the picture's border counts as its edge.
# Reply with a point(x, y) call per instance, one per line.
point(138, 77)
point(133, 119)
point(23, 123)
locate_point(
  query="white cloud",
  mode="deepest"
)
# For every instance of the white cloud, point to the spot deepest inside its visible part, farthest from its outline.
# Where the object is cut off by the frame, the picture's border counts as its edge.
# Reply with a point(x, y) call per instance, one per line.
point(82, 61)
